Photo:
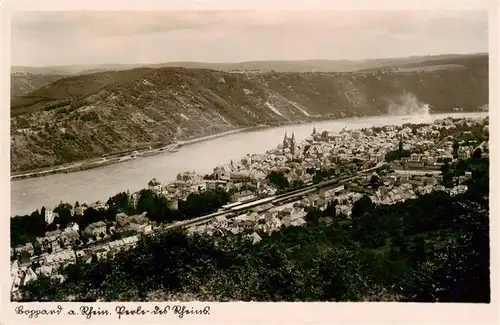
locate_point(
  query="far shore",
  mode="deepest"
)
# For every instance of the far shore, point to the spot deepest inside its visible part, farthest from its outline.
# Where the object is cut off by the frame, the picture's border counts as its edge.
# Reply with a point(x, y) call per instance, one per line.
point(97, 162)
point(124, 156)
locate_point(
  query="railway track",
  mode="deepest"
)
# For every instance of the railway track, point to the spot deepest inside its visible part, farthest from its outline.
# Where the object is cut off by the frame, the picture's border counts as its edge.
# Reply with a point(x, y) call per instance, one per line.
point(275, 200)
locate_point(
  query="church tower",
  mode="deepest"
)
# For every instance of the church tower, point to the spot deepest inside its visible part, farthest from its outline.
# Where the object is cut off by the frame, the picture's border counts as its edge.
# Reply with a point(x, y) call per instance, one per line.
point(285, 142)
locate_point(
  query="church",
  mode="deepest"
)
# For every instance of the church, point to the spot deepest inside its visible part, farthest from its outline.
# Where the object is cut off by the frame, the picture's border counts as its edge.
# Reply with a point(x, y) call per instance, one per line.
point(290, 144)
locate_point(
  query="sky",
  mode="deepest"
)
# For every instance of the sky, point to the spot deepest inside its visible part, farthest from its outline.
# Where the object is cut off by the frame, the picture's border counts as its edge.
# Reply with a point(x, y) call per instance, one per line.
point(101, 37)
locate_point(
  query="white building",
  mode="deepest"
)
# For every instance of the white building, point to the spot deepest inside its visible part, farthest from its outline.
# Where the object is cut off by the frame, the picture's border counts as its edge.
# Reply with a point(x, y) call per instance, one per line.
point(29, 276)
point(154, 185)
point(72, 226)
point(49, 216)
point(254, 237)
point(242, 196)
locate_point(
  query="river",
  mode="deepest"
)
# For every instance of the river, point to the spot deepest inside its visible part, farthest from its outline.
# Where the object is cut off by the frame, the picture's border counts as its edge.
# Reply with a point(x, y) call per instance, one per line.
point(101, 183)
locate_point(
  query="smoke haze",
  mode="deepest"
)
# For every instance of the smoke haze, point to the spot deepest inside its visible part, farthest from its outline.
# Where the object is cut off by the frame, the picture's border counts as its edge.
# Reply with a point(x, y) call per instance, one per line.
point(408, 104)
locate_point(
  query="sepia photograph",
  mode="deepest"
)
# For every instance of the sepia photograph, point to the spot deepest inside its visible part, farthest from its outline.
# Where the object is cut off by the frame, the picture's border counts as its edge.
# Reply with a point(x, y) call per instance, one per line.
point(250, 156)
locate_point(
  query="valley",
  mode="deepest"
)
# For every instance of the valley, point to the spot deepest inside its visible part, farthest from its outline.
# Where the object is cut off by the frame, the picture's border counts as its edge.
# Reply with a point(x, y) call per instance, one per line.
point(83, 117)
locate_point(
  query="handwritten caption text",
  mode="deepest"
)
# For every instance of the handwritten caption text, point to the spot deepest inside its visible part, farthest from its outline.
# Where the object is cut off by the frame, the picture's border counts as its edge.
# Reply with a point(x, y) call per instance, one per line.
point(119, 311)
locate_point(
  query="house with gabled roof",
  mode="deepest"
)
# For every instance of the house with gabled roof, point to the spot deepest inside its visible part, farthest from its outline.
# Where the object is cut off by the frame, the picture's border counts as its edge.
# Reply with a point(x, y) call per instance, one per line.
point(245, 220)
point(96, 228)
point(222, 173)
point(254, 237)
point(220, 222)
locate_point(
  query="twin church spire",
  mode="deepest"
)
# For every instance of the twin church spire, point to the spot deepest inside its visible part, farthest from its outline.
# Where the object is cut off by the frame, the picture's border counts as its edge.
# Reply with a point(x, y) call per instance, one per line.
point(289, 142)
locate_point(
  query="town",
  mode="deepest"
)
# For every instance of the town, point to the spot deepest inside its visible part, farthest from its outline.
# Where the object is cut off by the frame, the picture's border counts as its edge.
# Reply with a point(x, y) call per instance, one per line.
point(256, 196)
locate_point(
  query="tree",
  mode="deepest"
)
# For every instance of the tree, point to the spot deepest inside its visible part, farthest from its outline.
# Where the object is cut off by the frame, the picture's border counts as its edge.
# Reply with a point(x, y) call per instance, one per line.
point(44, 287)
point(456, 146)
point(331, 209)
point(400, 244)
point(194, 206)
point(278, 179)
point(91, 215)
point(477, 153)
point(37, 249)
point(375, 179)
point(62, 220)
point(445, 168)
point(362, 206)
point(297, 183)
point(418, 252)
point(400, 146)
point(396, 155)
point(146, 199)
point(26, 228)
point(313, 215)
point(318, 178)
point(51, 227)
point(121, 203)
point(110, 214)
point(24, 257)
point(447, 174)
point(63, 215)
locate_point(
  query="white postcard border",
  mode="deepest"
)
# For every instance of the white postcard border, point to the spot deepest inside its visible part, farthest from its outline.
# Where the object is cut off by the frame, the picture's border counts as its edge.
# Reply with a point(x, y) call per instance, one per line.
point(259, 313)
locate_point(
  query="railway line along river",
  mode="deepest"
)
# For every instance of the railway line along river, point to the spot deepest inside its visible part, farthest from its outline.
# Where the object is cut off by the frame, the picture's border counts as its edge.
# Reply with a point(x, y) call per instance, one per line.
point(91, 185)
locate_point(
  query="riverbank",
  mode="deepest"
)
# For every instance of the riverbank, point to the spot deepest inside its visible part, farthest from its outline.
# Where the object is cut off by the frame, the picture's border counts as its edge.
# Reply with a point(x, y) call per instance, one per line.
point(27, 195)
point(107, 160)
point(218, 135)
point(124, 156)
point(98, 162)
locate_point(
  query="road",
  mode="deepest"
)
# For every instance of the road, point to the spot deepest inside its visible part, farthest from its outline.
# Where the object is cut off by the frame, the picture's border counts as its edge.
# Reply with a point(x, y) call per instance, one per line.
point(418, 171)
point(480, 146)
point(94, 162)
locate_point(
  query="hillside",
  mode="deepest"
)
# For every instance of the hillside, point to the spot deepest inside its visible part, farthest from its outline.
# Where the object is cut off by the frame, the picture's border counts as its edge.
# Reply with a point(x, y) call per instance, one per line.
point(71, 89)
point(23, 83)
point(86, 116)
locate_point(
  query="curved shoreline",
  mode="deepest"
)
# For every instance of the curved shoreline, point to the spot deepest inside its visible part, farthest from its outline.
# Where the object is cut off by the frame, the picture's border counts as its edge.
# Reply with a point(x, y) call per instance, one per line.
point(97, 162)
point(122, 157)
point(107, 160)
point(92, 185)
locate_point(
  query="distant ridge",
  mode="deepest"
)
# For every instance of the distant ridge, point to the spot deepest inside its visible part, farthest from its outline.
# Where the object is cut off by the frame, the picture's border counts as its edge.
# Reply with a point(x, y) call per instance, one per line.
point(320, 65)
